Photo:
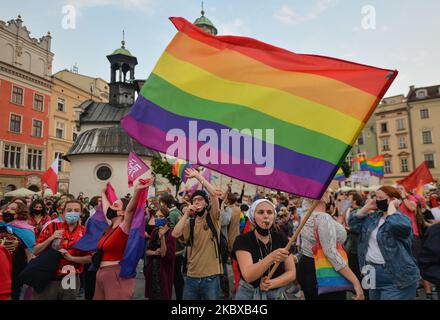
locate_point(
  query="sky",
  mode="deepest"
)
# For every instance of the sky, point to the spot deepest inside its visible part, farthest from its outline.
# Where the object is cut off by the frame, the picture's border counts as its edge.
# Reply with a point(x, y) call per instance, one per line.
point(392, 34)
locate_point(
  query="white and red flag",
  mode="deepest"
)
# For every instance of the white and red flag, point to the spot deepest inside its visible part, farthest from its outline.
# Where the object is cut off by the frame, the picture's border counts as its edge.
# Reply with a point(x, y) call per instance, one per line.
point(50, 177)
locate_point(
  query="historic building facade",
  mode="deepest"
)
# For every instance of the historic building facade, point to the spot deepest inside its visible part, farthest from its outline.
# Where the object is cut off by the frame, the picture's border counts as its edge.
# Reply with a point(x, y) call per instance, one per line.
point(25, 94)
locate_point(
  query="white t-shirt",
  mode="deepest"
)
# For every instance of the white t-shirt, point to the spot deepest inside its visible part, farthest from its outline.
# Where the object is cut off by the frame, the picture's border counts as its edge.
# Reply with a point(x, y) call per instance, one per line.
point(373, 253)
point(436, 213)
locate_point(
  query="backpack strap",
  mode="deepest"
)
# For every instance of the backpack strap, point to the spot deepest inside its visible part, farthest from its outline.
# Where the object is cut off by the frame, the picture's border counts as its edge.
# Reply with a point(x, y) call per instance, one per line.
point(214, 235)
point(192, 223)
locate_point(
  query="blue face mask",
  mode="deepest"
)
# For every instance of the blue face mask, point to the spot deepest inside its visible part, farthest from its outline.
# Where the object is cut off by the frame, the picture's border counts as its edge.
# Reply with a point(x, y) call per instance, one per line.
point(160, 222)
point(71, 217)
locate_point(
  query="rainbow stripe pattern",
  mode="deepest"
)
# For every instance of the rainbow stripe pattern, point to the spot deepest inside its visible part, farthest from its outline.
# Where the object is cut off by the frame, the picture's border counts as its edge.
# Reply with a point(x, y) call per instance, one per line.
point(179, 167)
point(340, 176)
point(328, 279)
point(230, 82)
point(375, 165)
point(363, 163)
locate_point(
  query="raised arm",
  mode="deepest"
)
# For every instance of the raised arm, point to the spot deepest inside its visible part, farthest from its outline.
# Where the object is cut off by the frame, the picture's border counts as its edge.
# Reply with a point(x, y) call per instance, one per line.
point(105, 203)
point(178, 229)
point(131, 207)
point(193, 173)
point(240, 199)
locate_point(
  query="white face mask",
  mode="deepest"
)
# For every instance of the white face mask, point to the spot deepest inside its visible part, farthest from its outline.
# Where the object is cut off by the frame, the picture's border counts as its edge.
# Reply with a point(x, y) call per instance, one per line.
point(72, 217)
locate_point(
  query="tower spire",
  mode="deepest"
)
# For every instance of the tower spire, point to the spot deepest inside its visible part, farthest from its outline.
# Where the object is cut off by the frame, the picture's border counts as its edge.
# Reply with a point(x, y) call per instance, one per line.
point(203, 10)
point(123, 39)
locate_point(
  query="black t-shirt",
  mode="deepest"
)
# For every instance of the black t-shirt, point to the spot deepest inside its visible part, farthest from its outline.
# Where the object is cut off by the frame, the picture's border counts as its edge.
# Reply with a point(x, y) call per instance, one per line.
point(427, 215)
point(249, 242)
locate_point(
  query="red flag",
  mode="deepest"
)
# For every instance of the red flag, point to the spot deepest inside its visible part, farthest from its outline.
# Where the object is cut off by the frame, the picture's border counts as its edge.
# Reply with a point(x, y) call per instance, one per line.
point(419, 177)
point(50, 177)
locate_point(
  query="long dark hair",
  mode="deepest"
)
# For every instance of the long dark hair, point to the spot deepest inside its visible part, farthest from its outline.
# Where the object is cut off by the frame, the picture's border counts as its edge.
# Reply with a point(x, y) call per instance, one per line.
point(35, 202)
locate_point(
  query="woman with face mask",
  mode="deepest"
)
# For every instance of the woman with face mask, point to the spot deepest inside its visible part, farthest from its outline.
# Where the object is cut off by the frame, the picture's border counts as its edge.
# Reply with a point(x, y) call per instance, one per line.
point(161, 250)
point(111, 247)
point(19, 239)
point(62, 236)
point(384, 247)
point(323, 228)
point(38, 216)
point(257, 251)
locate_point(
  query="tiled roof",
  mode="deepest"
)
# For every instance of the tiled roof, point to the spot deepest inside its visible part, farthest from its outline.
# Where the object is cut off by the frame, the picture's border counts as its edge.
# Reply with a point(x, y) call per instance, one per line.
point(111, 140)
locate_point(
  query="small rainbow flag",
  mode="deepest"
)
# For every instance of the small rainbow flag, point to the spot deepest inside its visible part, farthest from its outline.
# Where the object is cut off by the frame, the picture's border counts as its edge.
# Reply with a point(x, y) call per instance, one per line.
point(179, 167)
point(363, 163)
point(375, 165)
point(340, 176)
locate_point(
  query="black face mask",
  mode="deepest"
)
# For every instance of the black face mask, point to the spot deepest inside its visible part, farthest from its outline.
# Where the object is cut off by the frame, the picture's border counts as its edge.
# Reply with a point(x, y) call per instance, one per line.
point(111, 213)
point(261, 231)
point(149, 228)
point(382, 205)
point(36, 212)
point(8, 216)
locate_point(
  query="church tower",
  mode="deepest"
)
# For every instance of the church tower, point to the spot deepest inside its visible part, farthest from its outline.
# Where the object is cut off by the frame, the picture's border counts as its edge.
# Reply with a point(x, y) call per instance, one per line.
point(122, 65)
point(205, 24)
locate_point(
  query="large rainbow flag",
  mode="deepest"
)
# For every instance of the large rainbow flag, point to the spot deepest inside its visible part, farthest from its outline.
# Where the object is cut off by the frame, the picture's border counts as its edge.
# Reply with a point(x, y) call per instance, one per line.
point(316, 105)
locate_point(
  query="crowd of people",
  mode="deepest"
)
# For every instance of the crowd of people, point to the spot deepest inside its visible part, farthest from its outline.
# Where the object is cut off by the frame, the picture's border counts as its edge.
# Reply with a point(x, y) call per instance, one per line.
point(194, 241)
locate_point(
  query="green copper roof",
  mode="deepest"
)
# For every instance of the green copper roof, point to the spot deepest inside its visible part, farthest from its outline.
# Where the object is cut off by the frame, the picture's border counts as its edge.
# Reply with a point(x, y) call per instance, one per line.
point(204, 21)
point(122, 51)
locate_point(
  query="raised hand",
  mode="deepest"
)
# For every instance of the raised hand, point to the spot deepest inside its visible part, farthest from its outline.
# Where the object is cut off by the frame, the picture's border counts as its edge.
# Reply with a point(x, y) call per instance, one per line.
point(191, 173)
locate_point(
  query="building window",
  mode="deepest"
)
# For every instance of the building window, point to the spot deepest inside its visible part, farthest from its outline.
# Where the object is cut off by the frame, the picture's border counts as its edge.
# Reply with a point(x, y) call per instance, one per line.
point(400, 124)
point(12, 157)
point(59, 155)
point(37, 128)
point(15, 123)
point(103, 173)
point(59, 131)
point(17, 95)
point(426, 137)
point(404, 165)
point(385, 145)
point(384, 127)
point(402, 142)
point(387, 166)
point(421, 94)
point(74, 134)
point(424, 114)
point(38, 102)
point(35, 159)
point(429, 158)
point(61, 105)
point(360, 139)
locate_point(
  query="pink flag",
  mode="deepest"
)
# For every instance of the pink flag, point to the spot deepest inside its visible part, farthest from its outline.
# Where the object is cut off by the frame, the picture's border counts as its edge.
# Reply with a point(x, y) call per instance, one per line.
point(136, 167)
point(110, 193)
